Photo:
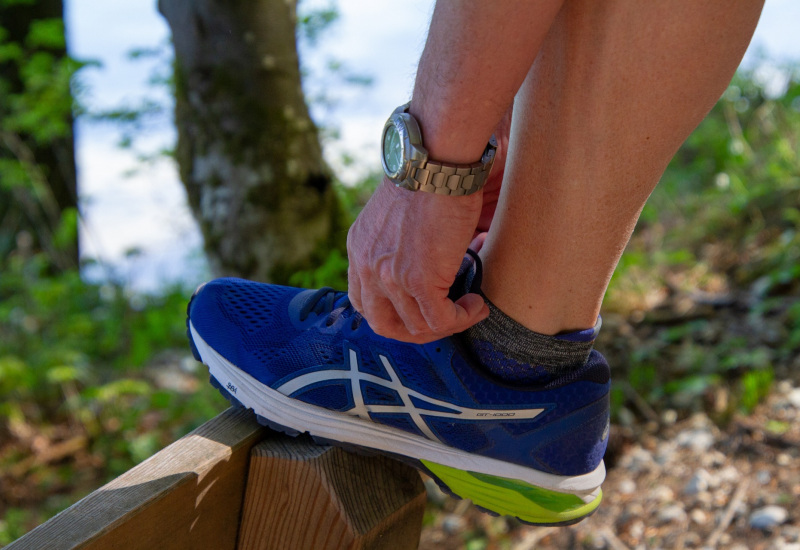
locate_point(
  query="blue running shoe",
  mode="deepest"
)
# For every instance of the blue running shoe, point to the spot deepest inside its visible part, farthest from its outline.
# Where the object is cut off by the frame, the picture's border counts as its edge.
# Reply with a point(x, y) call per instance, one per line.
point(306, 361)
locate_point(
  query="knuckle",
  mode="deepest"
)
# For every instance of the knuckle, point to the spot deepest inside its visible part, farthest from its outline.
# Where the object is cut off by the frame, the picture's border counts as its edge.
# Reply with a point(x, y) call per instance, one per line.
point(386, 276)
point(362, 271)
point(439, 325)
point(438, 328)
point(415, 282)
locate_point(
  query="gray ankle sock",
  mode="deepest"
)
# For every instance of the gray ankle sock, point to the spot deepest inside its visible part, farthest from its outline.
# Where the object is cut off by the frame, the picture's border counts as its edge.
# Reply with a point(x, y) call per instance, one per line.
point(516, 354)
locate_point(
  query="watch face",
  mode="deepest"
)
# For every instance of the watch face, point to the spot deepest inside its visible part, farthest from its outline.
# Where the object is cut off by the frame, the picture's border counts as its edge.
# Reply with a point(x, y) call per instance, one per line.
point(393, 149)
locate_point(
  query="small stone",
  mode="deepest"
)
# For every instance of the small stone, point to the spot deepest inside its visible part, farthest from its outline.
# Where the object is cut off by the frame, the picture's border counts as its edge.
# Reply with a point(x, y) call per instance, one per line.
point(662, 493)
point(794, 398)
point(453, 524)
point(672, 513)
point(626, 486)
point(669, 417)
point(763, 477)
point(729, 474)
point(639, 459)
point(625, 417)
point(784, 459)
point(665, 453)
point(698, 440)
point(768, 517)
point(698, 483)
point(189, 364)
point(698, 516)
point(636, 530)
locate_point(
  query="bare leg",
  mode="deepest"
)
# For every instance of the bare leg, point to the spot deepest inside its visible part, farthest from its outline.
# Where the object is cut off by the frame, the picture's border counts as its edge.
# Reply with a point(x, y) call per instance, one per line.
point(616, 88)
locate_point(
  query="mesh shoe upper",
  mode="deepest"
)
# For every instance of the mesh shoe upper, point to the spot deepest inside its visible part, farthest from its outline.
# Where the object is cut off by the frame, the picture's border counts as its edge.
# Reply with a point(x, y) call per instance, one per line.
point(303, 342)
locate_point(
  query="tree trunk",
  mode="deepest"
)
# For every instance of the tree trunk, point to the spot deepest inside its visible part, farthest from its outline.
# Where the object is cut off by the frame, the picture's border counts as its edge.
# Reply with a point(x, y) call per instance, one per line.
point(37, 145)
point(248, 151)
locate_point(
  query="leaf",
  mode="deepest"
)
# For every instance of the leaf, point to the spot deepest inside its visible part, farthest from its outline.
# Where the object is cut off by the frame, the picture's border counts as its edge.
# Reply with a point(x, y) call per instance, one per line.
point(64, 373)
point(46, 33)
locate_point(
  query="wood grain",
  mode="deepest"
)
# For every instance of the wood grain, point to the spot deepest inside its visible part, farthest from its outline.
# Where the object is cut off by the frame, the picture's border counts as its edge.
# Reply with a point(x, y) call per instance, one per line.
point(304, 496)
point(187, 496)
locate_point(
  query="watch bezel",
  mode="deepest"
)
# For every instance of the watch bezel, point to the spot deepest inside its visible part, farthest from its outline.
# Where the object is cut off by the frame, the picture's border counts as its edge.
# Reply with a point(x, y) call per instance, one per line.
point(413, 153)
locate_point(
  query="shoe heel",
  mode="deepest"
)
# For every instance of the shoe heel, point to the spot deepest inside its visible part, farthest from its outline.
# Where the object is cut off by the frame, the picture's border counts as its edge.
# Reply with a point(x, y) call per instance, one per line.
point(511, 497)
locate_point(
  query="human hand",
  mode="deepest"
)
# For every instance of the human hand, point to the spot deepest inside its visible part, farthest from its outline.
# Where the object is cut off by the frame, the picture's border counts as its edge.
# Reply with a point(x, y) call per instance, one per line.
point(405, 249)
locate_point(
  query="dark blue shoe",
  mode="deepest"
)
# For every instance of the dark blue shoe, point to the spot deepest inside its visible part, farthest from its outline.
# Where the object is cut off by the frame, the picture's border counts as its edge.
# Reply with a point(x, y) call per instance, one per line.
point(306, 361)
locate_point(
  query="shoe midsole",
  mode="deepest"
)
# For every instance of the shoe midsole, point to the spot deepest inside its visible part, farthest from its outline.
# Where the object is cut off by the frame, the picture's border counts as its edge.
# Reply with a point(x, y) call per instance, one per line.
point(337, 426)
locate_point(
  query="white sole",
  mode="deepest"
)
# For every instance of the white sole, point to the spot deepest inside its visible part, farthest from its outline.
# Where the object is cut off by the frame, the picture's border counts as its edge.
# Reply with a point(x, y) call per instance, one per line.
point(320, 422)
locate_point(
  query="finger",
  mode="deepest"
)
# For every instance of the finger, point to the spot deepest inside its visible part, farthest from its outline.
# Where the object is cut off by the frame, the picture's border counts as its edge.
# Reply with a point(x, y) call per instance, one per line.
point(408, 310)
point(385, 320)
point(447, 317)
point(406, 306)
point(477, 242)
point(354, 288)
point(475, 308)
point(381, 315)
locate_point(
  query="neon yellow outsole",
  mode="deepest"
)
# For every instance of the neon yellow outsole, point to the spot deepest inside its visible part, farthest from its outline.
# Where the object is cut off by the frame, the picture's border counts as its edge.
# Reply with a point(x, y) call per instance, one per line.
point(511, 497)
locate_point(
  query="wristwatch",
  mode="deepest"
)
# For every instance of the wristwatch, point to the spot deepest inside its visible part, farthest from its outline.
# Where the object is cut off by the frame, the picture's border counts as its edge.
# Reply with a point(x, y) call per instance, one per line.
point(406, 163)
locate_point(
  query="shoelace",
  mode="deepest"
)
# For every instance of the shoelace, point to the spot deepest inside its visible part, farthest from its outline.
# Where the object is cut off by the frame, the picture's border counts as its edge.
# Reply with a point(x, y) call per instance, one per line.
point(332, 302)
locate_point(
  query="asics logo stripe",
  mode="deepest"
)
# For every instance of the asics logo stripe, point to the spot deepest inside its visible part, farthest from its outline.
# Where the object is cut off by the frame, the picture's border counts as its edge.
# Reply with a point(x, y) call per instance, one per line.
point(361, 409)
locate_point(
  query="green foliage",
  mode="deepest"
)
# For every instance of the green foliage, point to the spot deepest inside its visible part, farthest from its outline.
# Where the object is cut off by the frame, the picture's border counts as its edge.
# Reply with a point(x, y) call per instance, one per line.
point(87, 360)
point(46, 33)
point(43, 106)
point(332, 272)
point(36, 112)
point(755, 386)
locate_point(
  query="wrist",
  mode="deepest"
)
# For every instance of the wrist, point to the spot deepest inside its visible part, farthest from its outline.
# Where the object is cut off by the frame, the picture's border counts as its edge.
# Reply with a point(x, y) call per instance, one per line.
point(445, 137)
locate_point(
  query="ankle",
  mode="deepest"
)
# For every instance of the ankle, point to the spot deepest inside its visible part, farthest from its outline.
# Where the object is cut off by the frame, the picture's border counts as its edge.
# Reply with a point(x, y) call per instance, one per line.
point(515, 353)
point(547, 316)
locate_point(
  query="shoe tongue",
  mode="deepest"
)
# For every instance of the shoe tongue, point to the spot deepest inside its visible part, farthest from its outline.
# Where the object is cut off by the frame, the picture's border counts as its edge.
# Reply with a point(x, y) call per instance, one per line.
point(469, 276)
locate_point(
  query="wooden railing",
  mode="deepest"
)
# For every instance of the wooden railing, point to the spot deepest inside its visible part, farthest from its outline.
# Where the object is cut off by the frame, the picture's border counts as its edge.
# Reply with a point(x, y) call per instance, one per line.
point(232, 484)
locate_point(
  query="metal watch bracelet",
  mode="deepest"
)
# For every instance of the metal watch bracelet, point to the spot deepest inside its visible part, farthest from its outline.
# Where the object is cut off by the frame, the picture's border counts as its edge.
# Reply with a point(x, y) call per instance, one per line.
point(450, 180)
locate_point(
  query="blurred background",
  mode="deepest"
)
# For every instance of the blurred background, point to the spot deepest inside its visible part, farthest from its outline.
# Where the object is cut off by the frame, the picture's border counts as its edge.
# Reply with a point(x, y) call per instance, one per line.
point(145, 148)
